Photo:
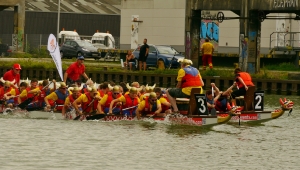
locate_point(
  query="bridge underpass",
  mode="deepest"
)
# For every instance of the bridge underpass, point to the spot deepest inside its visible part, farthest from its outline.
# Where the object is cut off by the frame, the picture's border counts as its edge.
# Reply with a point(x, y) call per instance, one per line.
point(19, 21)
point(251, 15)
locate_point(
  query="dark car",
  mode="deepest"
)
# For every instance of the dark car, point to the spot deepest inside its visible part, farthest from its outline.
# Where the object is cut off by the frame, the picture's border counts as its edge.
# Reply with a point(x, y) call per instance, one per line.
point(75, 48)
point(161, 56)
point(5, 50)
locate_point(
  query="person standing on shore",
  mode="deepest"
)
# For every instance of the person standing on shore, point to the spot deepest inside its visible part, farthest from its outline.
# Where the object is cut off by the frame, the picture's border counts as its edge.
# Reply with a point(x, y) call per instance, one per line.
point(144, 51)
point(75, 70)
point(13, 74)
point(207, 51)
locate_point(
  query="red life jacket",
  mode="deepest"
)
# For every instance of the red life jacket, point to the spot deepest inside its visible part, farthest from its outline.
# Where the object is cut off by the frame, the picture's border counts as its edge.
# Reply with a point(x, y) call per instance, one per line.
point(17, 93)
point(147, 109)
point(130, 102)
point(110, 98)
point(93, 106)
point(191, 77)
point(71, 98)
point(246, 78)
point(3, 91)
point(61, 99)
point(101, 93)
point(43, 94)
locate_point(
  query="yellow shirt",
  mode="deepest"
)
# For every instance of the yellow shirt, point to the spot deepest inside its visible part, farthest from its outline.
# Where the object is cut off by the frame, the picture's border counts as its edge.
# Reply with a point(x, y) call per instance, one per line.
point(82, 98)
point(187, 90)
point(12, 92)
point(143, 104)
point(123, 100)
point(67, 101)
point(24, 92)
point(104, 99)
point(207, 48)
point(163, 100)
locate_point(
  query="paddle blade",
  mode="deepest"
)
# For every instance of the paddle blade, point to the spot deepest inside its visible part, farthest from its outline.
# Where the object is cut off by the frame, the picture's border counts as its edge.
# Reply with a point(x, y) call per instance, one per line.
point(96, 117)
point(24, 104)
point(213, 112)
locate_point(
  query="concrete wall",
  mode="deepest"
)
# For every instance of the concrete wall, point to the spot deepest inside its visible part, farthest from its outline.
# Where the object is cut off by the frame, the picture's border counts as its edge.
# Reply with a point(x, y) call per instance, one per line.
point(163, 22)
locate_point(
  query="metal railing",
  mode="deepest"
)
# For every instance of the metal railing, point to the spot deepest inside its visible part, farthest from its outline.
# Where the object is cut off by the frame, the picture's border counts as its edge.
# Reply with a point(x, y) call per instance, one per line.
point(284, 39)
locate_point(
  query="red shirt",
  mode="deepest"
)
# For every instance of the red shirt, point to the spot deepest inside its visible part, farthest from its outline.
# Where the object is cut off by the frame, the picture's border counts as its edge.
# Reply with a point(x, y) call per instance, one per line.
point(74, 71)
point(11, 76)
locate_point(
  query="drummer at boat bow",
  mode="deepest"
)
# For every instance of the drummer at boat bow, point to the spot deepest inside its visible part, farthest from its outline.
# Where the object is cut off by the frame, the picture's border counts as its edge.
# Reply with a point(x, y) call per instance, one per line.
point(188, 78)
point(58, 97)
point(148, 107)
point(108, 98)
point(130, 102)
point(74, 71)
point(243, 81)
point(71, 98)
point(88, 101)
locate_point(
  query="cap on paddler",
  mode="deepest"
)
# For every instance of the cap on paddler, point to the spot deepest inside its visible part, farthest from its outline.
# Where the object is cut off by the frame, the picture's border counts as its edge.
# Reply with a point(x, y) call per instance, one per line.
point(80, 58)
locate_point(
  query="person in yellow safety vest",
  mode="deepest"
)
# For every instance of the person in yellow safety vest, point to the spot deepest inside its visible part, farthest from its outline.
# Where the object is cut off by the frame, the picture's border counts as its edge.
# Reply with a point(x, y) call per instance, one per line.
point(88, 101)
point(188, 77)
point(70, 99)
point(243, 81)
point(207, 50)
point(149, 107)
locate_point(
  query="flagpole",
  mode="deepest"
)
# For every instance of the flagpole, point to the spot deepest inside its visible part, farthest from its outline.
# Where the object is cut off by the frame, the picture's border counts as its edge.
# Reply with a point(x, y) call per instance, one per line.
point(58, 18)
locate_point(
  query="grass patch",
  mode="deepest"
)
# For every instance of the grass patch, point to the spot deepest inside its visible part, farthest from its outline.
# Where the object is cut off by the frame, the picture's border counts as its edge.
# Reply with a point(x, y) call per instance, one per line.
point(282, 67)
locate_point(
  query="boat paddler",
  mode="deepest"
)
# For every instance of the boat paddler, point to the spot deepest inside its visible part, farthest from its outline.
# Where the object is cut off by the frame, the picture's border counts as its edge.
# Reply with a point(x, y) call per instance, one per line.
point(130, 102)
point(88, 101)
point(149, 106)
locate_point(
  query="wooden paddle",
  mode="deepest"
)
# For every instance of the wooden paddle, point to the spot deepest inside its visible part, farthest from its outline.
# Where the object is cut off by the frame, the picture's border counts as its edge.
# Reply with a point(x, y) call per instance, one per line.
point(77, 117)
point(24, 104)
point(213, 111)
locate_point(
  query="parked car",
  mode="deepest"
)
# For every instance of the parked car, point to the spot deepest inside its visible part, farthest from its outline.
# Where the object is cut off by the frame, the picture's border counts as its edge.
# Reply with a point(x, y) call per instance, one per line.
point(5, 50)
point(161, 56)
point(75, 48)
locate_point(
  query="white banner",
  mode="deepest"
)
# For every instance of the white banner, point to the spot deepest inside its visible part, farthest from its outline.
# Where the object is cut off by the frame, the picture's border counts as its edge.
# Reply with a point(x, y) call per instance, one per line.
point(53, 48)
point(134, 31)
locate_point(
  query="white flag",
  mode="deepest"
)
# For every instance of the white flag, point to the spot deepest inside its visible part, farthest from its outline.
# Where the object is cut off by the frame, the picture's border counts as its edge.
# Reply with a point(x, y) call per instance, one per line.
point(53, 48)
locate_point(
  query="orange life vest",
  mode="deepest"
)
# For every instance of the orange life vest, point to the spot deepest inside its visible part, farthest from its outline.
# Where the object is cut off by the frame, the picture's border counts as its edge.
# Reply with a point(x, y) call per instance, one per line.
point(246, 78)
point(191, 77)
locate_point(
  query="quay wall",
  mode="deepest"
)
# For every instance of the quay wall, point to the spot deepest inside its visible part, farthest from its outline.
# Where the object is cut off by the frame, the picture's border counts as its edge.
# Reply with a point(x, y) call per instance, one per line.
point(270, 86)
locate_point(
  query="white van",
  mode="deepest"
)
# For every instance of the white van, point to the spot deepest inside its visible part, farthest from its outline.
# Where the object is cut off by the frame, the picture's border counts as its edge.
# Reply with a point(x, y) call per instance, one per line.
point(68, 35)
point(103, 40)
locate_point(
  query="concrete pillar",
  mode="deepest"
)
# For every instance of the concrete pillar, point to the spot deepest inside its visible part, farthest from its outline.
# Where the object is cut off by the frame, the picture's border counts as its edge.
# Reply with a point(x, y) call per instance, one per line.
point(19, 24)
point(195, 38)
point(243, 39)
point(254, 34)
